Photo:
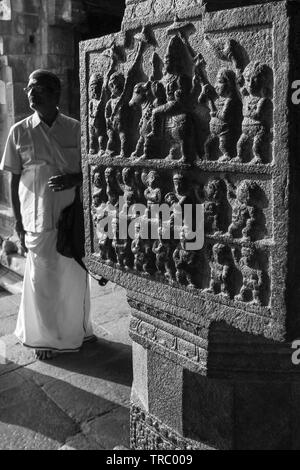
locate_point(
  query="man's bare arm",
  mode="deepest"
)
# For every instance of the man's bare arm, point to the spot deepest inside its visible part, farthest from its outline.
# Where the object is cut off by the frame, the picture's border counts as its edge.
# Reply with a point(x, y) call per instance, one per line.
point(15, 202)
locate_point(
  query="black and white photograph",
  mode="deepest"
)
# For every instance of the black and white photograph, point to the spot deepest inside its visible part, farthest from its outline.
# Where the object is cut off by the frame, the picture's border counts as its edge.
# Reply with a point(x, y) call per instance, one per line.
point(149, 227)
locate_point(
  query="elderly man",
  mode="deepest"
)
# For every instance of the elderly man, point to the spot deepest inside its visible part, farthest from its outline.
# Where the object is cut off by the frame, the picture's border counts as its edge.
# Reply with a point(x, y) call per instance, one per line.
point(43, 154)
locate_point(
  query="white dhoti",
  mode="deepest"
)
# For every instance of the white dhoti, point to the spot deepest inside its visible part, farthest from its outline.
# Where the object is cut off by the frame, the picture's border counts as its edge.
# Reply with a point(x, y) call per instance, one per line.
point(55, 307)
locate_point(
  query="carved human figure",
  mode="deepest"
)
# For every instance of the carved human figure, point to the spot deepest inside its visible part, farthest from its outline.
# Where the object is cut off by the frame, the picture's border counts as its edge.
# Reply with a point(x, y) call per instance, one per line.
point(98, 93)
point(173, 124)
point(105, 248)
point(214, 207)
point(121, 247)
point(252, 276)
point(117, 112)
point(226, 115)
point(257, 113)
point(163, 251)
point(113, 190)
point(153, 192)
point(147, 96)
point(137, 248)
point(142, 251)
point(99, 193)
point(127, 185)
point(219, 271)
point(185, 262)
point(95, 88)
point(244, 211)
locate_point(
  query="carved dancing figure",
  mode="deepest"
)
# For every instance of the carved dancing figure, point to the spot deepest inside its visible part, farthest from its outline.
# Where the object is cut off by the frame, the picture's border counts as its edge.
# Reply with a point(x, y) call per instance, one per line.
point(244, 212)
point(252, 277)
point(117, 111)
point(185, 262)
point(226, 115)
point(219, 271)
point(257, 112)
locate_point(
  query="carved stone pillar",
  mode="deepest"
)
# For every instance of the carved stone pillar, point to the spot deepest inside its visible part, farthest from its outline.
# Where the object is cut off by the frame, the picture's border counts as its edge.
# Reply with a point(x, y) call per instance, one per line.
point(198, 109)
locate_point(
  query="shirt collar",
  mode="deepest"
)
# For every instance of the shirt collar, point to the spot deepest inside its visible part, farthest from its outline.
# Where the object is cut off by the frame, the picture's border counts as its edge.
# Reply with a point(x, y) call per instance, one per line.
point(36, 120)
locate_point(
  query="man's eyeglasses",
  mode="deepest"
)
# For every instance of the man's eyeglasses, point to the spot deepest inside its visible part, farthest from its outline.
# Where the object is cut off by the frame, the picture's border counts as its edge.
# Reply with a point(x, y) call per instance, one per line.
point(38, 89)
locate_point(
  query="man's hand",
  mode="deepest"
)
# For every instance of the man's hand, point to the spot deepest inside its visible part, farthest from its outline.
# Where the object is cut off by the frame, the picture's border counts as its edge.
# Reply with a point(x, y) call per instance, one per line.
point(21, 235)
point(63, 182)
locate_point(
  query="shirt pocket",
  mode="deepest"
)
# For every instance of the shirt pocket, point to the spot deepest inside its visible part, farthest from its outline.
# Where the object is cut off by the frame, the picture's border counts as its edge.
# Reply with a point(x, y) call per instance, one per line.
point(26, 153)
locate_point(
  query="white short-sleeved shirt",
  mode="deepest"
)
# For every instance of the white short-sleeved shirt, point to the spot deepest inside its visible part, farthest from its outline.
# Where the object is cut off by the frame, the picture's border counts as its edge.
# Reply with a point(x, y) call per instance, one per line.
point(37, 152)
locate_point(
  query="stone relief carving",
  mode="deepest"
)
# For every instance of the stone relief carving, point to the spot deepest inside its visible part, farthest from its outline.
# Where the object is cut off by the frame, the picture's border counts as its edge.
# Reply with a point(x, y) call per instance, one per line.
point(117, 111)
point(257, 113)
point(252, 276)
point(147, 433)
point(185, 263)
point(164, 260)
point(244, 210)
point(121, 247)
point(214, 197)
point(226, 115)
point(240, 104)
point(147, 96)
point(220, 271)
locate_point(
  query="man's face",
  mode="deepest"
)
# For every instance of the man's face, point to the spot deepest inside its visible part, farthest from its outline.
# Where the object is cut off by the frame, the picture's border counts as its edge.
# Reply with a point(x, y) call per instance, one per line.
point(41, 96)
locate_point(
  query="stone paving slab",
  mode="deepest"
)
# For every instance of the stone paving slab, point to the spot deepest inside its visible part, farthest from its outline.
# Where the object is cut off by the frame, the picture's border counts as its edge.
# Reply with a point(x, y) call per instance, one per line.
point(7, 325)
point(29, 419)
point(60, 404)
point(81, 442)
point(110, 430)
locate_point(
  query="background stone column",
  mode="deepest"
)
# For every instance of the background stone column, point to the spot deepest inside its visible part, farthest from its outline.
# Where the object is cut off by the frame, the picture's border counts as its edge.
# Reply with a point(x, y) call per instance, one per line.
point(212, 331)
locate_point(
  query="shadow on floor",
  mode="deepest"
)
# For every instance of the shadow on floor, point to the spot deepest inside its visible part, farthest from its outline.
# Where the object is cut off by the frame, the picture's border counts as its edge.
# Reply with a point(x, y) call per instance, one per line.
point(45, 404)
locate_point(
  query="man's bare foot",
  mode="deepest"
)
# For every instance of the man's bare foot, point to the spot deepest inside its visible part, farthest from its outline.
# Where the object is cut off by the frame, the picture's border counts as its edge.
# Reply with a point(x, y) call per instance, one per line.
point(44, 354)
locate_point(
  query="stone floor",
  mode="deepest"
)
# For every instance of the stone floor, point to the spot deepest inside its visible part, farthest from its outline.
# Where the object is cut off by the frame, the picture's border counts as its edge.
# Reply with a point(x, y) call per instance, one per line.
point(76, 401)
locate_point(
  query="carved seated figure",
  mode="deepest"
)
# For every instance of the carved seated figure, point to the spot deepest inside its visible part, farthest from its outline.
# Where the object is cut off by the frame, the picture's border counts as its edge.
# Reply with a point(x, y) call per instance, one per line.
point(257, 112)
point(252, 277)
point(244, 212)
point(185, 263)
point(163, 250)
point(220, 269)
point(226, 115)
